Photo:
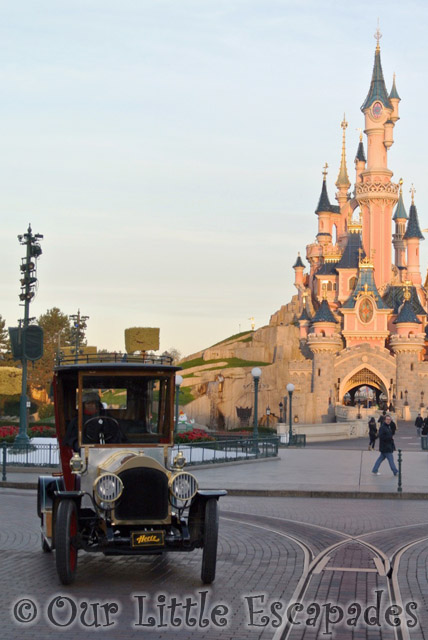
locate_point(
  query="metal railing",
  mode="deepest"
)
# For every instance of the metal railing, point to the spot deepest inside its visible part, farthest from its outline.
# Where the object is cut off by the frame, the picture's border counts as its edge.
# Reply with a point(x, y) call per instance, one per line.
point(39, 455)
point(228, 450)
point(297, 440)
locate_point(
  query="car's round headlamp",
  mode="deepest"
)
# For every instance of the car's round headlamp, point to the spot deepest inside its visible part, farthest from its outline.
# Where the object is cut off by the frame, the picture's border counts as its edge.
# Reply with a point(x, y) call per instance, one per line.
point(108, 487)
point(183, 486)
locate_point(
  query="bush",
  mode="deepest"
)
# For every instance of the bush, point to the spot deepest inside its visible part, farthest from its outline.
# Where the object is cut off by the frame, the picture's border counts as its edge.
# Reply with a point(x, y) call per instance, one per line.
point(195, 435)
point(11, 407)
point(46, 411)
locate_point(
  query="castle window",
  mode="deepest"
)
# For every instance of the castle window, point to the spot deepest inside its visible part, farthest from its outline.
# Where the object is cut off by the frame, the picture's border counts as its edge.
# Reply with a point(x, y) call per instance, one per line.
point(334, 286)
point(352, 283)
point(319, 372)
point(411, 367)
point(329, 286)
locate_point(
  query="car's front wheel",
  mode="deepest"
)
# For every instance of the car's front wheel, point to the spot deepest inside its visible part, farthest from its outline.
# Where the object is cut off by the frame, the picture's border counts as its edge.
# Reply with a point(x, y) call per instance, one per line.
point(209, 553)
point(66, 541)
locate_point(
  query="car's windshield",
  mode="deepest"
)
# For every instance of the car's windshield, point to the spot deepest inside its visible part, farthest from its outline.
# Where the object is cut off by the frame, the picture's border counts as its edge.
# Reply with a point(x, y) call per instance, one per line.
point(124, 409)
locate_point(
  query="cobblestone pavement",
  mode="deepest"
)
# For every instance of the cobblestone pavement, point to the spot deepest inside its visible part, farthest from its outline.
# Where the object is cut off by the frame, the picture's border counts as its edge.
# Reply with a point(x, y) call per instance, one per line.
point(270, 551)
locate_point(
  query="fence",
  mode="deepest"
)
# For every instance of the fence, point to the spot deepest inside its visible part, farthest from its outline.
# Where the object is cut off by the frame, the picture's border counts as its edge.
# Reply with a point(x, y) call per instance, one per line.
point(228, 450)
point(39, 455)
point(47, 455)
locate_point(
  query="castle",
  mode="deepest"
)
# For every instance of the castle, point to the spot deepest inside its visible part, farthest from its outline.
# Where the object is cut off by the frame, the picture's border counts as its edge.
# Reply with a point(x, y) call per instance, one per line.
point(357, 323)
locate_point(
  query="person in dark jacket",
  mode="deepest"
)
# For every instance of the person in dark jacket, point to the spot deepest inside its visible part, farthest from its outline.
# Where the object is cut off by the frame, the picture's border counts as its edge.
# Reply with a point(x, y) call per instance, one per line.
point(418, 424)
point(372, 433)
point(386, 447)
point(425, 427)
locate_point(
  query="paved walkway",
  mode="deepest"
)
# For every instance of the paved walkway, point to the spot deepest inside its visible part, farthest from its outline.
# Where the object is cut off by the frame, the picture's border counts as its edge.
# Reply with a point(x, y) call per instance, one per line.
point(341, 468)
point(311, 471)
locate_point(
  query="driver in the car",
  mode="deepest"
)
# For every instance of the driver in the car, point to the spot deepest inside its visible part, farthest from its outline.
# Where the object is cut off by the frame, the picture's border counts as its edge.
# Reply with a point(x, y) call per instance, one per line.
point(92, 406)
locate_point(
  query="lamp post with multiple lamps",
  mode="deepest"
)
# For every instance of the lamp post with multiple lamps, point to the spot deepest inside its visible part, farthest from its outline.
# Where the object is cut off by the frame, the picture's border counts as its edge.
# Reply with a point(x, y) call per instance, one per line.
point(290, 389)
point(422, 399)
point(256, 373)
point(31, 242)
point(178, 383)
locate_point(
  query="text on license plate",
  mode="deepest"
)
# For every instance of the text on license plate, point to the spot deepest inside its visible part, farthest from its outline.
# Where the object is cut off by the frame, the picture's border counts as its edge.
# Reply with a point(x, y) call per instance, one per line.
point(147, 538)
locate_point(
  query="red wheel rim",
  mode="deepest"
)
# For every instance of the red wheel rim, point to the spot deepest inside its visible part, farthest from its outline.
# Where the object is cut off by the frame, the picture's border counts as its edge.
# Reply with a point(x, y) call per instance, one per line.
point(73, 533)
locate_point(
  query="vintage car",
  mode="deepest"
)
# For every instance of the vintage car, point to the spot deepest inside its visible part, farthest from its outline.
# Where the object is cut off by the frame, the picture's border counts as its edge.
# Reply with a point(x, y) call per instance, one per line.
point(117, 493)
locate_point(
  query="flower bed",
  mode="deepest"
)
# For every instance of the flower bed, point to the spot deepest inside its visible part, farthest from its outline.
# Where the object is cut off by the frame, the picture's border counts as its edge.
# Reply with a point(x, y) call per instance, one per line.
point(9, 433)
point(195, 435)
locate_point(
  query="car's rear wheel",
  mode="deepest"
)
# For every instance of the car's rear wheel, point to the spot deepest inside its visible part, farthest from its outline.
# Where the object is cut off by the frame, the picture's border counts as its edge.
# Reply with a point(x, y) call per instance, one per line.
point(66, 541)
point(209, 553)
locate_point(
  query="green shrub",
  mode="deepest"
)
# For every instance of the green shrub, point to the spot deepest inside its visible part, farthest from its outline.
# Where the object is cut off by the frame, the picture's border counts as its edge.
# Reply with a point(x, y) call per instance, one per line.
point(46, 411)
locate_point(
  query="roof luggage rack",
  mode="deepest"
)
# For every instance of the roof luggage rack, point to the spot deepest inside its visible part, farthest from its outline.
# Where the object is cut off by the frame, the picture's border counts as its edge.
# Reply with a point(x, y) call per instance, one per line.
point(88, 358)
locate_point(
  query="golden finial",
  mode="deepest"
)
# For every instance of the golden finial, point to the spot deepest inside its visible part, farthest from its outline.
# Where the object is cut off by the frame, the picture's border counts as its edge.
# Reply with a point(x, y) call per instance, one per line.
point(324, 171)
point(361, 133)
point(378, 36)
point(407, 284)
point(400, 182)
point(366, 263)
point(342, 178)
point(412, 190)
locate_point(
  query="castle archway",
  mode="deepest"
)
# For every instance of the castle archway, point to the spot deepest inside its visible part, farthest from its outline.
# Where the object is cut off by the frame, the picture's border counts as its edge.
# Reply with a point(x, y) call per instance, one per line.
point(365, 386)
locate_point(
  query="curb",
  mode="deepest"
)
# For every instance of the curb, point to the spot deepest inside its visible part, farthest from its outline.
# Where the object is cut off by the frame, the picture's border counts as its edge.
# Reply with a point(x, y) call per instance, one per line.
point(362, 495)
point(282, 493)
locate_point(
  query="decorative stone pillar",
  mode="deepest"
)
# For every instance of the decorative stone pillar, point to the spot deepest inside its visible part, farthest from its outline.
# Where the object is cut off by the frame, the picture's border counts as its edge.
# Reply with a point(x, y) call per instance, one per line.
point(324, 348)
point(407, 350)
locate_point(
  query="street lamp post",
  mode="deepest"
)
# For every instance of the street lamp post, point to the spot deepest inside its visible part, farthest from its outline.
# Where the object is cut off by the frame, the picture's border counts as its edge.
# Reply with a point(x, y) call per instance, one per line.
point(359, 409)
point(406, 404)
point(78, 332)
point(28, 285)
point(280, 412)
point(256, 373)
point(267, 416)
point(422, 399)
point(393, 402)
point(290, 389)
point(178, 383)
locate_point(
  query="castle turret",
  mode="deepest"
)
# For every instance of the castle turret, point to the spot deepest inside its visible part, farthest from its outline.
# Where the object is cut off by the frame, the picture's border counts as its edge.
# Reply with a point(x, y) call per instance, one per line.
point(407, 346)
point(298, 267)
point(400, 219)
point(412, 238)
point(394, 99)
point(375, 194)
point(324, 344)
point(360, 160)
point(324, 211)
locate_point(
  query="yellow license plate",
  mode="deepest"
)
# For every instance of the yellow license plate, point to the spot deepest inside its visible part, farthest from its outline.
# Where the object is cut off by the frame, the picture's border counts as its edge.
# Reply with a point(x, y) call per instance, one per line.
point(147, 539)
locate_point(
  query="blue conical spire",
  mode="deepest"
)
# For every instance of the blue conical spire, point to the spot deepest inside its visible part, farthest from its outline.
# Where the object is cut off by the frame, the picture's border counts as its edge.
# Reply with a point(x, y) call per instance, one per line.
point(400, 211)
point(413, 229)
point(394, 92)
point(377, 89)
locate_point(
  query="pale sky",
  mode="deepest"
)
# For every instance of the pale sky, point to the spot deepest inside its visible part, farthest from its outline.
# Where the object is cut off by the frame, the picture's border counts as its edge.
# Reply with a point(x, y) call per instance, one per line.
point(171, 151)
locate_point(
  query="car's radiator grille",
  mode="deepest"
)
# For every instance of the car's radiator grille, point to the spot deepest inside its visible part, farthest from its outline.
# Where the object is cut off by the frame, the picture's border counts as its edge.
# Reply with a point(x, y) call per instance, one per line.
point(145, 495)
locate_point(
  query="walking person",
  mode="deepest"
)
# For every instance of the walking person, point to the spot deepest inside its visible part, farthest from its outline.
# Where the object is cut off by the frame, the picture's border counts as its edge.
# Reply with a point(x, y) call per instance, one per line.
point(372, 433)
point(418, 424)
point(381, 418)
point(386, 447)
point(425, 427)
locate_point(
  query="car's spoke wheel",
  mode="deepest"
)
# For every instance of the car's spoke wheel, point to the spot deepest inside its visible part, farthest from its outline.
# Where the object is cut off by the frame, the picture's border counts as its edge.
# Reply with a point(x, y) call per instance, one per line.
point(209, 553)
point(66, 541)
